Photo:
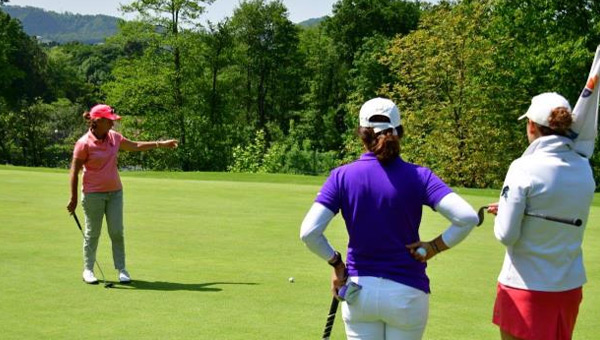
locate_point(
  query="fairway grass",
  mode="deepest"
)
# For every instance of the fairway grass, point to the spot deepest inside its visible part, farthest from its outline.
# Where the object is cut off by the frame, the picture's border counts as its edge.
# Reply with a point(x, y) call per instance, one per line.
point(210, 255)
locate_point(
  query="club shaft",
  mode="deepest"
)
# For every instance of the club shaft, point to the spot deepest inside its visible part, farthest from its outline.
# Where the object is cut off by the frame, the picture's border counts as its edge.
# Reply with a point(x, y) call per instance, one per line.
point(97, 264)
point(570, 221)
point(330, 318)
point(78, 224)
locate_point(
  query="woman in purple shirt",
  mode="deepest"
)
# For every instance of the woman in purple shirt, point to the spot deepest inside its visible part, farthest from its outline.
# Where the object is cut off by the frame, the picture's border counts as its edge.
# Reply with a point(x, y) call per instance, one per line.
point(381, 198)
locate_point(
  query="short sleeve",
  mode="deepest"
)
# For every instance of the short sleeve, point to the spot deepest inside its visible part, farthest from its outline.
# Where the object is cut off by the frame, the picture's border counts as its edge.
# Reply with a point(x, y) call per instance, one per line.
point(329, 193)
point(117, 138)
point(435, 189)
point(80, 151)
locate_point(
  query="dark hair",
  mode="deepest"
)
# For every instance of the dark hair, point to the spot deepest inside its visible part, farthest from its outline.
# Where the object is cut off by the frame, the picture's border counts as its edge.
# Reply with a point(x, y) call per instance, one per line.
point(560, 122)
point(384, 144)
point(88, 119)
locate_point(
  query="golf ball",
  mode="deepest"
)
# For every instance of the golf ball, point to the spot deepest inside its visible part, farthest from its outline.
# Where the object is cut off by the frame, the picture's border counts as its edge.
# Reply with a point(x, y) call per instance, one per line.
point(421, 251)
point(291, 279)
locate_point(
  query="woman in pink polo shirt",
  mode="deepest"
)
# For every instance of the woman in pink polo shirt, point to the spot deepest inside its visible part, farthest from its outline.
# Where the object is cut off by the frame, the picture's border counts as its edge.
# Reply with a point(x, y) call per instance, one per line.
point(102, 195)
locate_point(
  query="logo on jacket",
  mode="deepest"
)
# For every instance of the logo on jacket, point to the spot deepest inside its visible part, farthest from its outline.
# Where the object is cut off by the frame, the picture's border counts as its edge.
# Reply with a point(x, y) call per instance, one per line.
point(505, 192)
point(589, 87)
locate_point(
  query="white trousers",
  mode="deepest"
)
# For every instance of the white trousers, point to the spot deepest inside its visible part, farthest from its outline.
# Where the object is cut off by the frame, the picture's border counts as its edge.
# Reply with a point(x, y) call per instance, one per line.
point(386, 309)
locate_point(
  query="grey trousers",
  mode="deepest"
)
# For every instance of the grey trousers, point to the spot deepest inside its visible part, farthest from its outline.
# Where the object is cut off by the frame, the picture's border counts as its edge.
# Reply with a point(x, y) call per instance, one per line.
point(96, 205)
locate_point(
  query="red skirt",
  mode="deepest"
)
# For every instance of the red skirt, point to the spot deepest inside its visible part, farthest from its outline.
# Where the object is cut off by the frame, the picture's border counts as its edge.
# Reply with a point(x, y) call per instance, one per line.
point(535, 315)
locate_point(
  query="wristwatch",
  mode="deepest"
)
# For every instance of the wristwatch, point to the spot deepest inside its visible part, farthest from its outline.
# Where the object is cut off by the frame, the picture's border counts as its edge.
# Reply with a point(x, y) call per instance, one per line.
point(337, 259)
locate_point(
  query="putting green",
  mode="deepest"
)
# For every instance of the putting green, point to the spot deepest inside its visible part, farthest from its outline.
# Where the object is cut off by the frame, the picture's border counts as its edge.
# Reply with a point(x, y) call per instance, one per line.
point(211, 255)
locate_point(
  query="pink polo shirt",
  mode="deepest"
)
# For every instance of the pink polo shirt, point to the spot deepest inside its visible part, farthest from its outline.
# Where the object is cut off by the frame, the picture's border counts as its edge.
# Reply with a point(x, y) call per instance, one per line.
point(100, 172)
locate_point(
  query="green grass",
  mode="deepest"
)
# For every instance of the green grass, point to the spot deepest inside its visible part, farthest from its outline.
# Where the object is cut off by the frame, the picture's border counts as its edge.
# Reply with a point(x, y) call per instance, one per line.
point(211, 254)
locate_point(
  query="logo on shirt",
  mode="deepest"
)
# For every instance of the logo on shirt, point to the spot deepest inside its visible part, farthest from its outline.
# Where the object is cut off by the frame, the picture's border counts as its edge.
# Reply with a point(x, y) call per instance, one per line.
point(589, 87)
point(505, 192)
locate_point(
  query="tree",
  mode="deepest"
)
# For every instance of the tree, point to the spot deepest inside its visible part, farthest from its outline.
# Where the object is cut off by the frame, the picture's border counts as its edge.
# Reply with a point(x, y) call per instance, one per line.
point(322, 71)
point(172, 15)
point(453, 110)
point(354, 20)
point(64, 79)
point(267, 43)
point(354, 23)
point(550, 42)
point(218, 54)
point(22, 64)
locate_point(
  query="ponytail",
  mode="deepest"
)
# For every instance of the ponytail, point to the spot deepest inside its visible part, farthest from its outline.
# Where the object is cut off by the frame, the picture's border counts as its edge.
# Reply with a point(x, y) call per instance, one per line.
point(385, 145)
point(88, 119)
point(560, 121)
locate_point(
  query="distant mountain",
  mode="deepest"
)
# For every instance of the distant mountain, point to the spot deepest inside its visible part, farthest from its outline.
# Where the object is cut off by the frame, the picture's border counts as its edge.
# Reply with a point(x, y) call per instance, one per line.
point(312, 22)
point(63, 27)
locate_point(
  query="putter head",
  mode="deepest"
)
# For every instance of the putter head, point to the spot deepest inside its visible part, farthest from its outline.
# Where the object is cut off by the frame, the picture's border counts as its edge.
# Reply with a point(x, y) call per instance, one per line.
point(108, 285)
point(480, 214)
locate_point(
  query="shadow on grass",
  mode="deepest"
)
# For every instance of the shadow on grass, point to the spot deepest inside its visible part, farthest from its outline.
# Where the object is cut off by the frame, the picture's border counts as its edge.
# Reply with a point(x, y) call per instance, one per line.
point(173, 286)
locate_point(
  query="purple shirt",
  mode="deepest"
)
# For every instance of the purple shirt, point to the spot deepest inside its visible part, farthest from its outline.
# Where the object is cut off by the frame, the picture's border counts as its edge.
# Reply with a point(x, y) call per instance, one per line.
point(382, 207)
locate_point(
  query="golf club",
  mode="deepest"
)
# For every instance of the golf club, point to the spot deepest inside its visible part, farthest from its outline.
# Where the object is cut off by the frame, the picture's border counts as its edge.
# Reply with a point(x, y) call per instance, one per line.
point(106, 284)
point(576, 222)
point(480, 214)
point(330, 318)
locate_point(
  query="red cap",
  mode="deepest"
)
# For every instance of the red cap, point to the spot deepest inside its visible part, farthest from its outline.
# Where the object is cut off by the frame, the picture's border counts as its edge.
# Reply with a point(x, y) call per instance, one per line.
point(103, 111)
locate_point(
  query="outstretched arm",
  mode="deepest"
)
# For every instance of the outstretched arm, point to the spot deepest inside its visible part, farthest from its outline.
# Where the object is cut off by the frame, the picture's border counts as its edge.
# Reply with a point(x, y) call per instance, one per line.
point(128, 145)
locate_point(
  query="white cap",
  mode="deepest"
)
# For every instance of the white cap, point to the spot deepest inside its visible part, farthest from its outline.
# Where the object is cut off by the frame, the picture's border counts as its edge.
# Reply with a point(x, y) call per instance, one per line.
point(542, 105)
point(379, 107)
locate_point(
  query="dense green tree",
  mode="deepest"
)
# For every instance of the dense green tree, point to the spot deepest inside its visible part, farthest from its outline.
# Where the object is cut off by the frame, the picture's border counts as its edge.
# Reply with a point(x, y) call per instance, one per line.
point(322, 71)
point(368, 74)
point(22, 64)
point(218, 54)
point(94, 62)
point(352, 24)
point(549, 43)
point(354, 20)
point(64, 79)
point(170, 16)
point(545, 46)
point(451, 107)
point(267, 55)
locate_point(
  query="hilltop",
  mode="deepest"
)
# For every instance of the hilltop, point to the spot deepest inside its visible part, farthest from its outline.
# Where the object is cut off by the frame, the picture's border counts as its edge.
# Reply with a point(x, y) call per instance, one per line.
point(63, 27)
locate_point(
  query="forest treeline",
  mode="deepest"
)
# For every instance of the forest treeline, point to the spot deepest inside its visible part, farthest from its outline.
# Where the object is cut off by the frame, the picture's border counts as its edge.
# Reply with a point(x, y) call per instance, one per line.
point(258, 93)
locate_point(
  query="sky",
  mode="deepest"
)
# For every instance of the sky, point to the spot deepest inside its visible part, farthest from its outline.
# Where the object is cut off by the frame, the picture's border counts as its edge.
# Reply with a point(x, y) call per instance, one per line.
point(299, 10)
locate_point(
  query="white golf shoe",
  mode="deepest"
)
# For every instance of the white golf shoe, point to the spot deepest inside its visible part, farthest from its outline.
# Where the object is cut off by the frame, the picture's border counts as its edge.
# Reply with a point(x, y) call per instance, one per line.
point(89, 277)
point(124, 276)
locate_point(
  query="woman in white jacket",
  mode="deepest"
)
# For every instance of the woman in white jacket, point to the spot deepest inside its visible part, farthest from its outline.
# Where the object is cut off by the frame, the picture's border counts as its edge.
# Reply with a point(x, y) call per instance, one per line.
point(539, 286)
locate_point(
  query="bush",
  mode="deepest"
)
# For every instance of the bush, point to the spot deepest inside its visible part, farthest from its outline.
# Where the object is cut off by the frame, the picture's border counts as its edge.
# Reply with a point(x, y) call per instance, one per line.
point(249, 158)
point(286, 156)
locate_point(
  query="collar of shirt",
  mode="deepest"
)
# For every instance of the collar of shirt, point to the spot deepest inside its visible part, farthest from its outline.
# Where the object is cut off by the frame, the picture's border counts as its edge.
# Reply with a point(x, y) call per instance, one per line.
point(95, 140)
point(368, 156)
point(551, 143)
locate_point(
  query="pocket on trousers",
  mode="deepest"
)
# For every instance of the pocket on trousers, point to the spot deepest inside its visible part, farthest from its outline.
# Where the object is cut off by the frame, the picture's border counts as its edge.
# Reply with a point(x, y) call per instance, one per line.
point(408, 311)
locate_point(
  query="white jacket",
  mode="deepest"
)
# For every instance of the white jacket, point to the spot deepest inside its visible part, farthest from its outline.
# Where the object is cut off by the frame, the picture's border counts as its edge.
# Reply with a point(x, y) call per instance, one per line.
point(553, 180)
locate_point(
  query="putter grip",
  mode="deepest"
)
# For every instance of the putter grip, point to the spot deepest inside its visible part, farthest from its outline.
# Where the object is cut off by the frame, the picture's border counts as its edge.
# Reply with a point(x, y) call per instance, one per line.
point(77, 221)
point(330, 318)
point(572, 221)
